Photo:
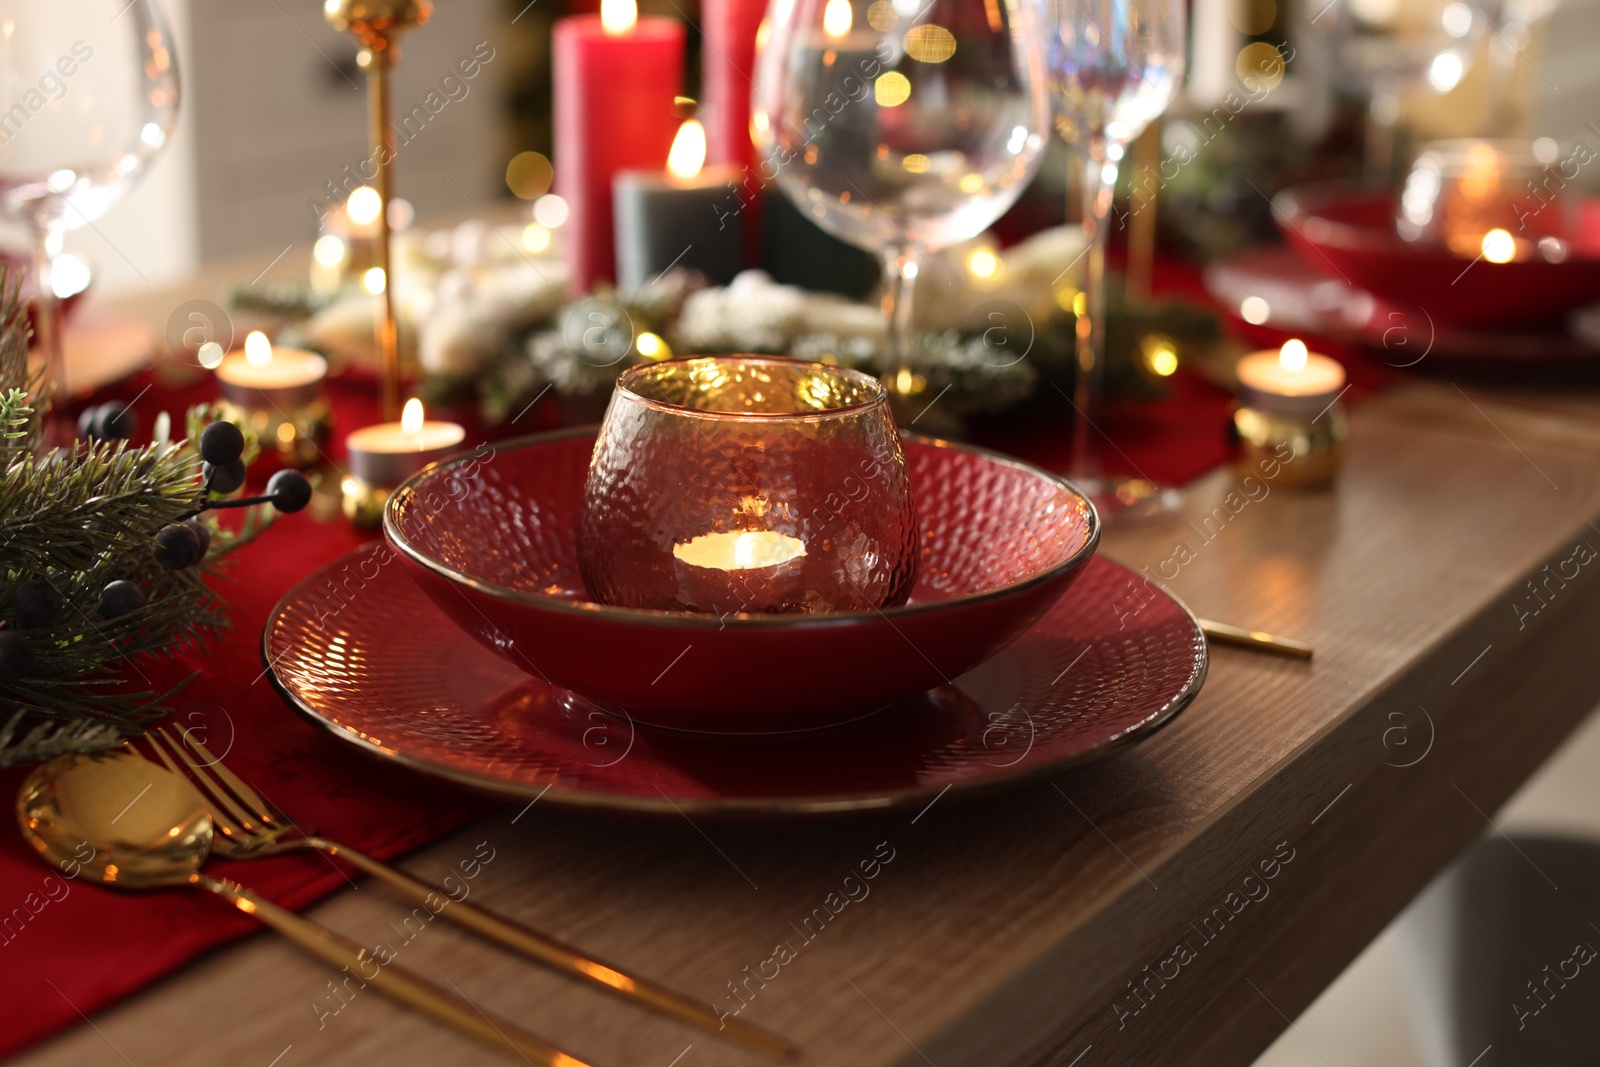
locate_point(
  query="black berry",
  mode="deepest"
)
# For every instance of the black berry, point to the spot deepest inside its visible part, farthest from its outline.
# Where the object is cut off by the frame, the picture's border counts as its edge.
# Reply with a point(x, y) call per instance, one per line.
point(108, 422)
point(16, 656)
point(221, 443)
point(120, 598)
point(202, 533)
point(37, 603)
point(289, 491)
point(118, 422)
point(177, 547)
point(225, 478)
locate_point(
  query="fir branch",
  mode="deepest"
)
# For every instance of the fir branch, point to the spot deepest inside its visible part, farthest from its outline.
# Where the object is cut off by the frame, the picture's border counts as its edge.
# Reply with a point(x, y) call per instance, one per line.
point(61, 511)
point(16, 376)
point(46, 740)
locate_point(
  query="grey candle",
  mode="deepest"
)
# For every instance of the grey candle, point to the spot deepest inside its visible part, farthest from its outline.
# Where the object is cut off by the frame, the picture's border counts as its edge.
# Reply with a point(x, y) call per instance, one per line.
point(677, 217)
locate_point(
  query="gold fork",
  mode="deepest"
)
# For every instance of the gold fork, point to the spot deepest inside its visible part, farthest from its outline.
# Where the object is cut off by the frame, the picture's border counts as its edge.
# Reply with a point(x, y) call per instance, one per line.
point(251, 827)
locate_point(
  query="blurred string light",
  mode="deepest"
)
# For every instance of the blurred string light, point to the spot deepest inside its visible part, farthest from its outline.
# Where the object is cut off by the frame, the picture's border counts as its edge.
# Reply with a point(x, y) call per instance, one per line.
point(1445, 72)
point(550, 211)
point(1259, 66)
point(651, 346)
point(1254, 310)
point(363, 206)
point(374, 281)
point(1073, 300)
point(929, 43)
point(1160, 354)
point(891, 89)
point(1253, 17)
point(535, 238)
point(528, 175)
point(329, 250)
point(1456, 19)
point(983, 263)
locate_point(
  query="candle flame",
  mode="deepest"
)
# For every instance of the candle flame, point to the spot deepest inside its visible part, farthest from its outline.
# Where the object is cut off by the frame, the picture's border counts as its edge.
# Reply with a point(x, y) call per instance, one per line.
point(1293, 355)
point(1499, 246)
point(257, 349)
point(744, 549)
point(617, 17)
point(837, 18)
point(411, 416)
point(688, 153)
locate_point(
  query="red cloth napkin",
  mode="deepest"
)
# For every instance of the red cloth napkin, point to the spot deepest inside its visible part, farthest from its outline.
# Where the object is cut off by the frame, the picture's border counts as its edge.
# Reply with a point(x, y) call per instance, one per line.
point(95, 945)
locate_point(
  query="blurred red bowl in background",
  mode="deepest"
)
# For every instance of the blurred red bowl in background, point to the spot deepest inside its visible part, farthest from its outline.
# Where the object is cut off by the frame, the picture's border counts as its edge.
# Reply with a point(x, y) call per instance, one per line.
point(1349, 232)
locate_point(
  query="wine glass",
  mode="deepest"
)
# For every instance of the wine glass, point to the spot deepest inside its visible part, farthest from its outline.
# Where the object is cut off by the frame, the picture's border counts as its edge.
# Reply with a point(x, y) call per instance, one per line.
point(92, 92)
point(1387, 49)
point(900, 126)
point(1114, 66)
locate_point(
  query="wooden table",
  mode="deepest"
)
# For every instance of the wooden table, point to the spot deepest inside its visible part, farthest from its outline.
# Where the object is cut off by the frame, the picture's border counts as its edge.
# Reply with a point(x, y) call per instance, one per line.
point(1043, 927)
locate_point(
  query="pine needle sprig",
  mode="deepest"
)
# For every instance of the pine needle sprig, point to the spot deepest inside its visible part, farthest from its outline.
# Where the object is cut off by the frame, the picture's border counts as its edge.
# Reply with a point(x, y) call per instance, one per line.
point(17, 376)
point(62, 510)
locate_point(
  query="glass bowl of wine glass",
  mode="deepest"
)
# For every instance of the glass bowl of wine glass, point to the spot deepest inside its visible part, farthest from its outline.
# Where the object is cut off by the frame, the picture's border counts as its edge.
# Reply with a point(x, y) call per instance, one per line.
point(92, 88)
point(900, 126)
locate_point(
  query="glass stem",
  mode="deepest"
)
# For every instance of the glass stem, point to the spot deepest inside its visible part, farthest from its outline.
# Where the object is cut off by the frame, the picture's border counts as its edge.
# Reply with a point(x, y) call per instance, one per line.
point(1099, 186)
point(49, 312)
point(900, 267)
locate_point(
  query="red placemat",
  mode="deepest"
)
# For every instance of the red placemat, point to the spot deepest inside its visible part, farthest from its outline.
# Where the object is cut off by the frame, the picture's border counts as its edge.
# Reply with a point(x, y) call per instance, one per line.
point(95, 946)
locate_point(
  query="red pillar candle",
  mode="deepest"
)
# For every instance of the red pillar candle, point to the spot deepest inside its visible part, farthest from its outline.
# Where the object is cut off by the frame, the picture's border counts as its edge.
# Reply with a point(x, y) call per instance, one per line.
point(728, 63)
point(615, 79)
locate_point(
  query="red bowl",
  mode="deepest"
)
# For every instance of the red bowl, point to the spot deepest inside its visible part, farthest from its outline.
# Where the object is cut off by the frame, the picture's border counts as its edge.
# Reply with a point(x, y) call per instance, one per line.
point(1349, 232)
point(491, 537)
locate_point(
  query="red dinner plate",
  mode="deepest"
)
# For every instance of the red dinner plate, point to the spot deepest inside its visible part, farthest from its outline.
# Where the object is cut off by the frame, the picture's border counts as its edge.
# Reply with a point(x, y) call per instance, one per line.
point(363, 652)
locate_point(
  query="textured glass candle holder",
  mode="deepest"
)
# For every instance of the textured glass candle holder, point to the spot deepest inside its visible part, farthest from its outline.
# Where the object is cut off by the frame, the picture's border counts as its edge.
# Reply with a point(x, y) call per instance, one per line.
point(748, 484)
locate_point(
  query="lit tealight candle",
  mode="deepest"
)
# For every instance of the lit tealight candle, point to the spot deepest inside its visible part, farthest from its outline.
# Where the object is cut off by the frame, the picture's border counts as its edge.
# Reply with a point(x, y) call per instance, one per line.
point(1289, 421)
point(734, 571)
point(277, 393)
point(744, 550)
point(263, 374)
point(390, 452)
point(1290, 381)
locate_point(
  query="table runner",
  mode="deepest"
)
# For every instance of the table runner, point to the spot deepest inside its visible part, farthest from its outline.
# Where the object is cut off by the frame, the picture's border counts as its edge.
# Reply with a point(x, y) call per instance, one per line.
point(69, 948)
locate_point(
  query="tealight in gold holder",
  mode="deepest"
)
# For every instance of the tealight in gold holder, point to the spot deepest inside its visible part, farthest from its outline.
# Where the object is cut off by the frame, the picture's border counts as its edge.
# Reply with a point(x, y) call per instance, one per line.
point(380, 457)
point(277, 393)
point(1288, 418)
point(378, 26)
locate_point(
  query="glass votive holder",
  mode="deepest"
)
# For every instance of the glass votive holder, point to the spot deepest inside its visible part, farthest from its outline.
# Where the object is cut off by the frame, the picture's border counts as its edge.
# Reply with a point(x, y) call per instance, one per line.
point(1499, 200)
point(748, 484)
point(277, 393)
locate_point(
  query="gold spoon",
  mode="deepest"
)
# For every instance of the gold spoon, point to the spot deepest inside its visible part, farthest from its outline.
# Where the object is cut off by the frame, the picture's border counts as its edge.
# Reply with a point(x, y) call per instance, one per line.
point(144, 827)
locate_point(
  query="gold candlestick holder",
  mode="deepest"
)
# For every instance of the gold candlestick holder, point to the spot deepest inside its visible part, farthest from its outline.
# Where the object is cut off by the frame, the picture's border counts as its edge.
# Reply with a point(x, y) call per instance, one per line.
point(378, 26)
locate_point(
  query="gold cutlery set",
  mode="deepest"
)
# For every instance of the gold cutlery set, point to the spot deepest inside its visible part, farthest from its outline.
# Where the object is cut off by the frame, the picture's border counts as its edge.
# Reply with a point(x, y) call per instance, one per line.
point(153, 824)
